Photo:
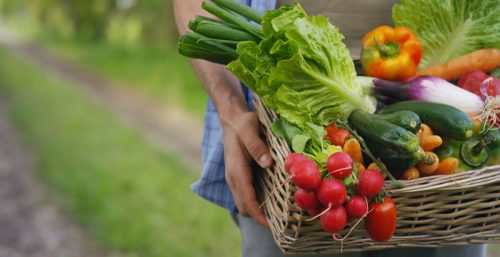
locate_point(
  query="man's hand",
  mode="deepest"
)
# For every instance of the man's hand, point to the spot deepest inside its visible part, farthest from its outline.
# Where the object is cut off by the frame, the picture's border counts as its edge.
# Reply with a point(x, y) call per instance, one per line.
point(241, 127)
point(242, 143)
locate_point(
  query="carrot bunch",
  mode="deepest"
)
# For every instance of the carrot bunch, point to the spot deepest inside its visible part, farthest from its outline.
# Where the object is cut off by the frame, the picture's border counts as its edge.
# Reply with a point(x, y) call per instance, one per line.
point(431, 165)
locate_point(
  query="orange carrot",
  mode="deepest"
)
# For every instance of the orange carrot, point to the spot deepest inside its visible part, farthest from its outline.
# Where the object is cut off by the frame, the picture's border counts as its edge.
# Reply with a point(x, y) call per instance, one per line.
point(484, 60)
point(374, 166)
point(447, 166)
point(424, 131)
point(411, 173)
point(428, 143)
point(429, 164)
point(361, 167)
point(353, 149)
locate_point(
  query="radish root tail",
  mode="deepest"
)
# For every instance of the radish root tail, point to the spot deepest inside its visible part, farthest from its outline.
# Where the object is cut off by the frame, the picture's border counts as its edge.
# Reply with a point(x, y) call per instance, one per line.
point(490, 113)
point(319, 215)
point(274, 190)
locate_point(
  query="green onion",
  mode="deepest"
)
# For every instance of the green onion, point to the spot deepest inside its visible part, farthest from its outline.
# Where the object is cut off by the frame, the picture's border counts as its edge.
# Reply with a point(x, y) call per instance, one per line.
point(232, 18)
point(198, 19)
point(194, 45)
point(217, 30)
point(240, 9)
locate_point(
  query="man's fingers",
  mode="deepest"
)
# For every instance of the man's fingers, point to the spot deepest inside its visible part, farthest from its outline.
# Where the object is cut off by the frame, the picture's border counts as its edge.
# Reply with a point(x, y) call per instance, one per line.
point(257, 213)
point(248, 134)
point(258, 150)
point(250, 202)
point(240, 143)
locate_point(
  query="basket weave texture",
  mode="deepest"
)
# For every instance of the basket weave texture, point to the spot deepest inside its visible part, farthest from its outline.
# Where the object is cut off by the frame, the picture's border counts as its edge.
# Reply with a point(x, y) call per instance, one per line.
point(435, 211)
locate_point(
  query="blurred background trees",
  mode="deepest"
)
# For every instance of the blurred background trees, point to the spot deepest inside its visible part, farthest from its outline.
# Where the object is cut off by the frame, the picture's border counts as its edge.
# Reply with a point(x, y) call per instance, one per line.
point(129, 22)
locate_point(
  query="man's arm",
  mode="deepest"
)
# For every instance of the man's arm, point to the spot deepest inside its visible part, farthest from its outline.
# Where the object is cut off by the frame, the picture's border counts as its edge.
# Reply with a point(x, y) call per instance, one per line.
point(241, 127)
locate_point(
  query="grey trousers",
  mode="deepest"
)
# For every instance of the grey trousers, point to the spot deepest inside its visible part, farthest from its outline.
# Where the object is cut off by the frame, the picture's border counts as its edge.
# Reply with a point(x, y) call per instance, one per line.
point(257, 241)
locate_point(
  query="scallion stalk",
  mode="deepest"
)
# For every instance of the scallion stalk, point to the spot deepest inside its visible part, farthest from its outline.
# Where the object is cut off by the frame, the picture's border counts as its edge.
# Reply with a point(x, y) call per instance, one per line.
point(220, 31)
point(199, 18)
point(228, 16)
point(240, 9)
point(194, 45)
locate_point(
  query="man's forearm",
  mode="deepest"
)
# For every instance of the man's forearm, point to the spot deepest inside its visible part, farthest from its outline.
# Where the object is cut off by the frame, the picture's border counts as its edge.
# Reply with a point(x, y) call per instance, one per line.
point(221, 85)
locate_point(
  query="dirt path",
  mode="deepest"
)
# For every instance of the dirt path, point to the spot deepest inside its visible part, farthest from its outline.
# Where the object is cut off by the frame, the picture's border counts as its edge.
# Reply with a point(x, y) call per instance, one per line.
point(168, 127)
point(31, 225)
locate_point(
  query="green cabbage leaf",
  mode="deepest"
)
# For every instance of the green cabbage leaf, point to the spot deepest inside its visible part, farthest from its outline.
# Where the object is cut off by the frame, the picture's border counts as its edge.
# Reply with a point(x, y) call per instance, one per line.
point(450, 28)
point(301, 69)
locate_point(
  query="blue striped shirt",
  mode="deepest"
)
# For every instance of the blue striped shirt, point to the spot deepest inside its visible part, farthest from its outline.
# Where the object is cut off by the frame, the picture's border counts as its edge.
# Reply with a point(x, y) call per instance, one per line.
point(212, 183)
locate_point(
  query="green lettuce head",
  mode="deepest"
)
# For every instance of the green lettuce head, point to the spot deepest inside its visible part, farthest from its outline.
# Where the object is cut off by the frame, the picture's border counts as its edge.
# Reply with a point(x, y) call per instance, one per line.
point(302, 69)
point(450, 28)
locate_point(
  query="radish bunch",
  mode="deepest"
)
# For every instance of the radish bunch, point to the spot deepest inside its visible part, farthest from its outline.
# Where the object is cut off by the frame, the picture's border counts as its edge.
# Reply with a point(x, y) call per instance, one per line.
point(337, 198)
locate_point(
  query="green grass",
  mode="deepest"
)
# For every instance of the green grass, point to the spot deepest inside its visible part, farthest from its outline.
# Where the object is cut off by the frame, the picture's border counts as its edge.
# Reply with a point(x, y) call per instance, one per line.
point(159, 72)
point(129, 195)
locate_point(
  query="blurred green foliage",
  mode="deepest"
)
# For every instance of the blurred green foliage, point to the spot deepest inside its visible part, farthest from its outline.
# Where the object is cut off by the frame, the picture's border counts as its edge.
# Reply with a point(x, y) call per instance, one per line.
point(132, 42)
point(114, 21)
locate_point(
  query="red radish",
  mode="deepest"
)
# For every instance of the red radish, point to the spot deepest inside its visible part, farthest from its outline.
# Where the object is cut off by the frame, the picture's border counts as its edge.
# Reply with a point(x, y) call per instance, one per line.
point(293, 158)
point(334, 220)
point(370, 183)
point(480, 83)
point(350, 218)
point(303, 173)
point(306, 200)
point(306, 175)
point(483, 85)
point(339, 165)
point(331, 192)
point(356, 206)
point(314, 212)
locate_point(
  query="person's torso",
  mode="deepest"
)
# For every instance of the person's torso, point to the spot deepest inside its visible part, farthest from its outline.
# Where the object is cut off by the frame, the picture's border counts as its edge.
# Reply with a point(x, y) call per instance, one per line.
point(353, 17)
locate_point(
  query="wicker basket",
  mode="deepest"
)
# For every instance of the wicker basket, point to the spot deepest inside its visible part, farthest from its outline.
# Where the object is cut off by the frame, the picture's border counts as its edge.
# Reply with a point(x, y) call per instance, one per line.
point(434, 211)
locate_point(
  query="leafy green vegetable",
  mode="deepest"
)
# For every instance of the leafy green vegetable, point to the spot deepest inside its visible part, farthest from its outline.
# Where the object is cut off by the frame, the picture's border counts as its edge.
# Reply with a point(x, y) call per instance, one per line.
point(450, 28)
point(286, 130)
point(302, 69)
point(309, 141)
point(299, 143)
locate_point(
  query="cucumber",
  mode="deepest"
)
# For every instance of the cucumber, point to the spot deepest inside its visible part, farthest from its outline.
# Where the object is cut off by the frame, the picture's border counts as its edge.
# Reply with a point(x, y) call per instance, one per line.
point(397, 147)
point(444, 119)
point(406, 119)
point(395, 161)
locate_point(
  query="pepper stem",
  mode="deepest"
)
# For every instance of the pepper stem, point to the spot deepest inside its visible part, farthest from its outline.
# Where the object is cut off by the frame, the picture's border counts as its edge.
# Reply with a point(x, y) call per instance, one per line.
point(482, 144)
point(429, 159)
point(388, 50)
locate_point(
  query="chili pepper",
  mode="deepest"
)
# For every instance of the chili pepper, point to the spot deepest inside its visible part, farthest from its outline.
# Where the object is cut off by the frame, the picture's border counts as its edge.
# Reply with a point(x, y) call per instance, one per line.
point(390, 53)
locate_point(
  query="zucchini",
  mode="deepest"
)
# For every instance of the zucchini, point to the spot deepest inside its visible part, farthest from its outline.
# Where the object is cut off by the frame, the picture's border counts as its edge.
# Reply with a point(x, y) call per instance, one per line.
point(397, 147)
point(395, 161)
point(406, 119)
point(444, 119)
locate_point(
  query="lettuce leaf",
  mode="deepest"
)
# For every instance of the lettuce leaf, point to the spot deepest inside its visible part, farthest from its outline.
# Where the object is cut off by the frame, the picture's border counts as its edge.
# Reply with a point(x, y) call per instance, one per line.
point(302, 69)
point(450, 28)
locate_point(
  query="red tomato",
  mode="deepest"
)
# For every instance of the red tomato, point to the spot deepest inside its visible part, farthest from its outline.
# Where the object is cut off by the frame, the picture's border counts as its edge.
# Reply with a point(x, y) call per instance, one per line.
point(335, 135)
point(380, 223)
